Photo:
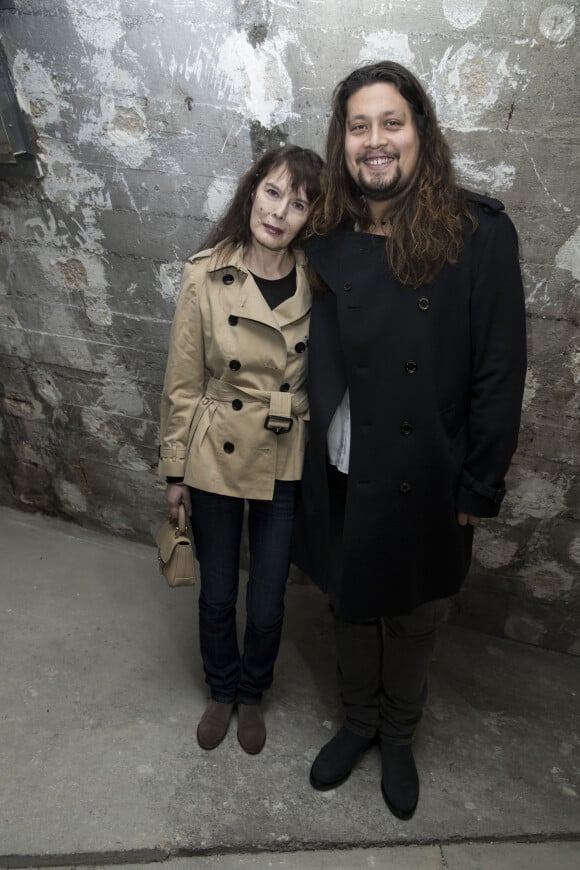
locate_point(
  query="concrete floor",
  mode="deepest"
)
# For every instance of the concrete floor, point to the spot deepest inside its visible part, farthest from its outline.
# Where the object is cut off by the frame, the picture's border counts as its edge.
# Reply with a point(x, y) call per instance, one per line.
point(101, 693)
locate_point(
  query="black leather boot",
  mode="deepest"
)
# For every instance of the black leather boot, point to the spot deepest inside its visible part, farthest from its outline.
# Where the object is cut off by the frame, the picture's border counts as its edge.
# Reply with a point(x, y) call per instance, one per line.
point(336, 759)
point(400, 780)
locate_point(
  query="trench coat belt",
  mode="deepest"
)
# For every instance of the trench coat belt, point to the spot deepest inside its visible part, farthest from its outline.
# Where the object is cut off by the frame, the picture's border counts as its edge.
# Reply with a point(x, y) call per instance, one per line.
point(278, 404)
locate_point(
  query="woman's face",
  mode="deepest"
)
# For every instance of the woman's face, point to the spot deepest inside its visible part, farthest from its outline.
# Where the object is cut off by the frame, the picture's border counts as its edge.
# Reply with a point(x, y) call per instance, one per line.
point(278, 212)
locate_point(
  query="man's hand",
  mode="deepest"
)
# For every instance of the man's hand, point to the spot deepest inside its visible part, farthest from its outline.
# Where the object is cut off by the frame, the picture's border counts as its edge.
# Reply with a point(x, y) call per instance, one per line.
point(467, 520)
point(176, 494)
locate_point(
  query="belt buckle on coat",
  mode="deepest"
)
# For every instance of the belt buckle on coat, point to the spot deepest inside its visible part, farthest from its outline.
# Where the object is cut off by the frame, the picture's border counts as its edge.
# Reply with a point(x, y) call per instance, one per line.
point(278, 424)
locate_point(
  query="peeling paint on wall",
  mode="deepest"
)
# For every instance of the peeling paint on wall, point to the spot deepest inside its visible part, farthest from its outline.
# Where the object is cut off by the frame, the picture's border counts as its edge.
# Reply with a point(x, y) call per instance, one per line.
point(491, 550)
point(101, 28)
point(219, 194)
point(68, 182)
point(530, 389)
point(36, 90)
point(169, 278)
point(121, 128)
point(121, 395)
point(463, 15)
point(538, 496)
point(574, 550)
point(71, 496)
point(121, 124)
point(386, 44)
point(254, 79)
point(129, 458)
point(468, 81)
point(548, 580)
point(574, 365)
point(28, 409)
point(46, 388)
point(568, 256)
point(557, 22)
point(492, 177)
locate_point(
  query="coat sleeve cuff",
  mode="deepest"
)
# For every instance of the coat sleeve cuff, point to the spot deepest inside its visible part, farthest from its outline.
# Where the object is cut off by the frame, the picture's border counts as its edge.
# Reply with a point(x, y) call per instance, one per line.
point(171, 468)
point(171, 461)
point(477, 498)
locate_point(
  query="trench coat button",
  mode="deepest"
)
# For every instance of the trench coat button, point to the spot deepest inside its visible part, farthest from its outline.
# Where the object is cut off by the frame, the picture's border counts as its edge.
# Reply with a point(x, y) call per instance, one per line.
point(347, 286)
point(423, 303)
point(284, 388)
point(237, 404)
point(229, 447)
point(300, 347)
point(232, 320)
point(228, 279)
point(410, 366)
point(406, 428)
point(405, 487)
point(235, 365)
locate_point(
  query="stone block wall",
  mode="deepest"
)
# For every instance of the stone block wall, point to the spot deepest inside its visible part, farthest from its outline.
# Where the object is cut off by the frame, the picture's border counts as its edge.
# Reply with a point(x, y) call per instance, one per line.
point(145, 112)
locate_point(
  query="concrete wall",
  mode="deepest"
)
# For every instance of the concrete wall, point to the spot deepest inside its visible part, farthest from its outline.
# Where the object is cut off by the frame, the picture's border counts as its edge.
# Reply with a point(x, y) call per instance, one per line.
point(145, 112)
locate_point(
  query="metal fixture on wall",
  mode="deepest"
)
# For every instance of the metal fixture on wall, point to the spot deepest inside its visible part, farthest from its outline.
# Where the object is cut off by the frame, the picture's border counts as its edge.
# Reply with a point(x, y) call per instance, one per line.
point(17, 153)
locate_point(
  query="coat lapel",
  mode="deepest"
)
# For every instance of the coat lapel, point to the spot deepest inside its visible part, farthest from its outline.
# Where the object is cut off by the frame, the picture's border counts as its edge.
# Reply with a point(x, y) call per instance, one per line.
point(250, 302)
point(297, 306)
point(247, 300)
point(252, 305)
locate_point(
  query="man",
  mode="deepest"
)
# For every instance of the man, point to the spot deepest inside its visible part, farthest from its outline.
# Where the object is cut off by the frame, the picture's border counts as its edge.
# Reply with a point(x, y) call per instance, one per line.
point(417, 363)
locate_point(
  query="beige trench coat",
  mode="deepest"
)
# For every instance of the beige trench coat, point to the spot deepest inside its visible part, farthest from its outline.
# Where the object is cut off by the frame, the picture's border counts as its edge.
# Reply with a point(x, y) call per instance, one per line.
point(233, 366)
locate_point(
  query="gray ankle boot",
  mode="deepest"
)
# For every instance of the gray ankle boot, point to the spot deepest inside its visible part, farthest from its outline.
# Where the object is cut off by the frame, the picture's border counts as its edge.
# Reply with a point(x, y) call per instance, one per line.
point(213, 725)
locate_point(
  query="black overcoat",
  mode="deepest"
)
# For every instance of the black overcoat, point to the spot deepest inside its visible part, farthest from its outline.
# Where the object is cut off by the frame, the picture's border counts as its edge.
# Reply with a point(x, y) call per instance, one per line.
point(435, 379)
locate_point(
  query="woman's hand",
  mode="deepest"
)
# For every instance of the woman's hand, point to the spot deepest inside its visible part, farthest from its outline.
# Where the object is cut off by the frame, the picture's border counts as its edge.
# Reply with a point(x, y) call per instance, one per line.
point(176, 494)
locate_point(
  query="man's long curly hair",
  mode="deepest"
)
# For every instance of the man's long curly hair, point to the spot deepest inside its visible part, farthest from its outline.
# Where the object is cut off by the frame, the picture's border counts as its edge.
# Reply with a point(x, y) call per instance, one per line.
point(427, 225)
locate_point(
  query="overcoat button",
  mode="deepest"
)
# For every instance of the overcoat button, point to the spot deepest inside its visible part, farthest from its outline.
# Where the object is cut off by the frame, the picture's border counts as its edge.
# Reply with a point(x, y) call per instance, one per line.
point(300, 347)
point(410, 366)
point(406, 428)
point(232, 320)
point(229, 447)
point(237, 404)
point(347, 286)
point(228, 279)
point(423, 303)
point(405, 487)
point(235, 365)
point(284, 388)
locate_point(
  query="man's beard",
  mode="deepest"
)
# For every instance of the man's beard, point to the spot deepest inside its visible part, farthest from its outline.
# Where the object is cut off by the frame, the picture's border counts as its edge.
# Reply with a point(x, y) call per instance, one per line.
point(382, 188)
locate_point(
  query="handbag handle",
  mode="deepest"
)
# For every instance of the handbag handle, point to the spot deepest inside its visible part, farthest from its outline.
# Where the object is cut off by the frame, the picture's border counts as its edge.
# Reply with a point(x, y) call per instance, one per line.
point(181, 527)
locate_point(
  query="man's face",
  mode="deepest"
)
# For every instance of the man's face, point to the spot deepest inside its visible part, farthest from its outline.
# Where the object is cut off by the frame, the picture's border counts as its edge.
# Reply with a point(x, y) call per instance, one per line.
point(381, 145)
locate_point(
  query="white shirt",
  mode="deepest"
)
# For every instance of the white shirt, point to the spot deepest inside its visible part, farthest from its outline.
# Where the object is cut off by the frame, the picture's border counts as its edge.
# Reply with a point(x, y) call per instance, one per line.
point(338, 436)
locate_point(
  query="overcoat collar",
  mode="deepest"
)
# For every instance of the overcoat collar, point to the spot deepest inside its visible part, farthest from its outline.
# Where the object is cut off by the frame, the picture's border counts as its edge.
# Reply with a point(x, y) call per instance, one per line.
point(337, 255)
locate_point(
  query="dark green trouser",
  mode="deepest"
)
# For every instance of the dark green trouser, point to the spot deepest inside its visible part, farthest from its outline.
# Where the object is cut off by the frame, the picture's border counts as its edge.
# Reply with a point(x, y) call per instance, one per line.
point(382, 663)
point(382, 671)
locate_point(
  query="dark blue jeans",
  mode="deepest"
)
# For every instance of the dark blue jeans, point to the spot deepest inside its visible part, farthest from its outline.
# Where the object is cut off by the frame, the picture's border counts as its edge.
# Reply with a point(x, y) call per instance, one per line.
point(217, 529)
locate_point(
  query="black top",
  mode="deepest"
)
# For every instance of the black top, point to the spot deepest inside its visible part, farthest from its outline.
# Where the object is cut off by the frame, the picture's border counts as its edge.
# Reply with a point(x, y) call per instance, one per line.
point(277, 290)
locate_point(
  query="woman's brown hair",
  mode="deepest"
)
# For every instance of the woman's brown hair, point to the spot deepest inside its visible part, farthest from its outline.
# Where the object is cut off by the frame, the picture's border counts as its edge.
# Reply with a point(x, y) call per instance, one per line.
point(304, 168)
point(427, 229)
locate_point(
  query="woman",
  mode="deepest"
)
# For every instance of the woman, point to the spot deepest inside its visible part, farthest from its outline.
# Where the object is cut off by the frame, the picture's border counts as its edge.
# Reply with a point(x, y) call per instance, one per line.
point(233, 416)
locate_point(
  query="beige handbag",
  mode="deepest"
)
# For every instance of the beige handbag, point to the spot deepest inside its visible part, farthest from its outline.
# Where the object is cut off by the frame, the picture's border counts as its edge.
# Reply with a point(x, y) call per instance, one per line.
point(176, 556)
